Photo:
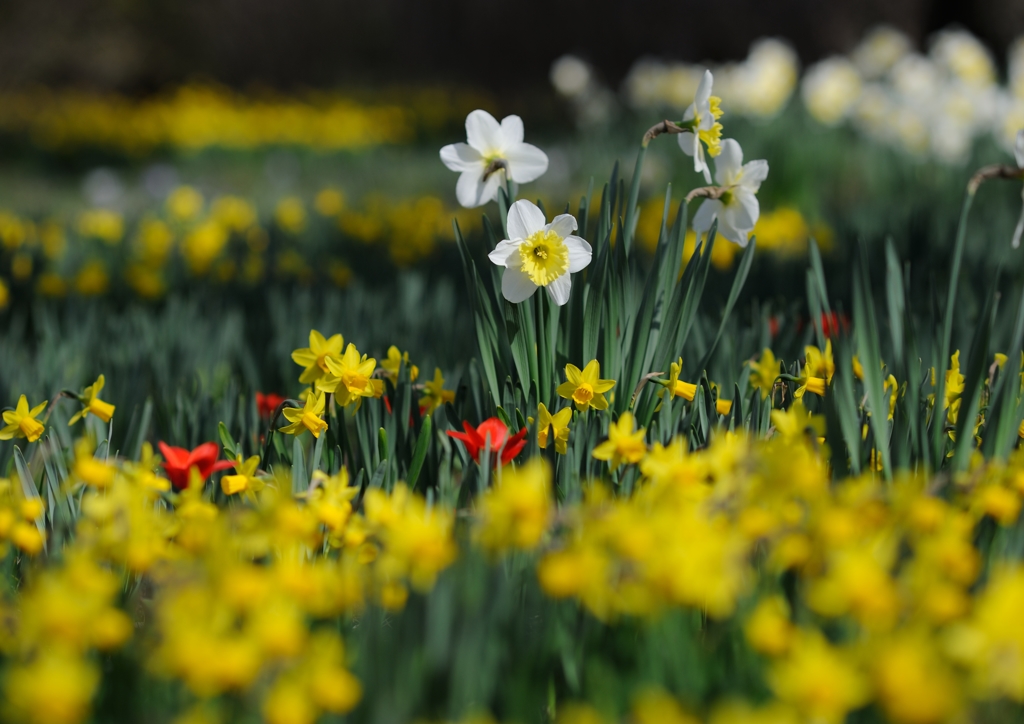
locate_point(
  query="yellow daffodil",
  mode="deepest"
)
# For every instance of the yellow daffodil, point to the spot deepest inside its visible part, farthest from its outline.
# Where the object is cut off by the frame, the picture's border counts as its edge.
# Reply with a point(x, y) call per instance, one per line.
point(515, 512)
point(764, 372)
point(22, 422)
point(394, 360)
point(676, 387)
point(434, 394)
point(954, 388)
point(351, 377)
point(308, 418)
point(624, 444)
point(792, 424)
point(245, 478)
point(701, 118)
point(314, 357)
point(90, 471)
point(585, 388)
point(559, 421)
point(817, 372)
point(91, 403)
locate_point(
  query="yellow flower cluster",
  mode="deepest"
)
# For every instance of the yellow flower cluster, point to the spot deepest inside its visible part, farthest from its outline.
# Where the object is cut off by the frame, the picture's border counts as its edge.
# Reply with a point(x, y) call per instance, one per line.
point(222, 240)
point(198, 116)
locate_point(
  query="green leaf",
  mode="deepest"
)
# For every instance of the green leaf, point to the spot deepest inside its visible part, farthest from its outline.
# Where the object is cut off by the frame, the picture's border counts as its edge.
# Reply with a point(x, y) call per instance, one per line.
point(419, 453)
point(230, 447)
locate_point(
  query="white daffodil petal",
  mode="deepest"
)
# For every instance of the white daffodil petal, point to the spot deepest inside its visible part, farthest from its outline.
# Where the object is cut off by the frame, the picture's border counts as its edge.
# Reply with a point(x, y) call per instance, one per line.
point(559, 289)
point(563, 225)
point(503, 250)
point(461, 157)
point(703, 90)
point(516, 286)
point(729, 162)
point(745, 209)
point(483, 132)
point(754, 174)
point(733, 234)
point(580, 253)
point(706, 214)
point(1018, 149)
point(524, 218)
point(512, 128)
point(526, 162)
point(686, 142)
point(469, 189)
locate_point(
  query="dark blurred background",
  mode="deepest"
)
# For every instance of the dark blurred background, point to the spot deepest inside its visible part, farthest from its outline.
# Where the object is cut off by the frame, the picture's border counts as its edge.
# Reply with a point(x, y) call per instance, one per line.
point(137, 45)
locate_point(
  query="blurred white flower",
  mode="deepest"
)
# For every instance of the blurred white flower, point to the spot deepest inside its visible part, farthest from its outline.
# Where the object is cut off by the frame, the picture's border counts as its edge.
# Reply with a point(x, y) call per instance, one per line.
point(950, 140)
point(873, 111)
point(737, 209)
point(915, 77)
point(879, 51)
point(570, 76)
point(765, 80)
point(1015, 67)
point(539, 254)
point(964, 57)
point(702, 118)
point(493, 150)
point(831, 89)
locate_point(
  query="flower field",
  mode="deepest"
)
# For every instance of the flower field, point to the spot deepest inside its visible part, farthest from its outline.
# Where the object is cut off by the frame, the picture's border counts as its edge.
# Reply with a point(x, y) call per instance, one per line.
point(701, 403)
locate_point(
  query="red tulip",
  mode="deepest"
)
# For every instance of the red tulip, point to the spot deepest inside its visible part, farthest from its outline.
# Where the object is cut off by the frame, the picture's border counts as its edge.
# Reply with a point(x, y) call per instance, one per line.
point(475, 439)
point(268, 403)
point(178, 462)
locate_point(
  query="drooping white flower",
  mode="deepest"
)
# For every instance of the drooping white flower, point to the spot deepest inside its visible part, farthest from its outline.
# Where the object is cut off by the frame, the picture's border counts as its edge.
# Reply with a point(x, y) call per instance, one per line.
point(539, 254)
point(1018, 153)
point(702, 117)
point(737, 209)
point(492, 150)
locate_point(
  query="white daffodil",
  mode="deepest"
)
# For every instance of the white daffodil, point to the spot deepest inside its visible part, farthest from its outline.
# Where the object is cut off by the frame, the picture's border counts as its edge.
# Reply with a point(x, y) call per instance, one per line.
point(539, 254)
point(702, 119)
point(1018, 153)
point(737, 208)
point(493, 150)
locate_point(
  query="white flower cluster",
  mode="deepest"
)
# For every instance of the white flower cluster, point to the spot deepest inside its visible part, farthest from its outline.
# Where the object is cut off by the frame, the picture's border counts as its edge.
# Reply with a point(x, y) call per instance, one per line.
point(930, 105)
point(758, 86)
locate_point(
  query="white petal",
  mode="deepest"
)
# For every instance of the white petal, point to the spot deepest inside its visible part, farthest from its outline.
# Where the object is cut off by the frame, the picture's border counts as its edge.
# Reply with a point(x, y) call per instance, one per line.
point(754, 174)
point(558, 290)
point(729, 162)
point(1018, 149)
point(686, 142)
point(709, 209)
point(703, 90)
point(524, 218)
point(512, 128)
point(705, 169)
point(470, 189)
point(461, 157)
point(745, 209)
point(516, 286)
point(483, 133)
point(1017, 232)
point(580, 253)
point(730, 232)
point(563, 225)
point(503, 250)
point(526, 162)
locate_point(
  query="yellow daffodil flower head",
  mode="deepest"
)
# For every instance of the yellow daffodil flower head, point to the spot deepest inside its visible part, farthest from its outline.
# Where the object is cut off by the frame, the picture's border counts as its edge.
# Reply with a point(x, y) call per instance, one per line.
point(350, 377)
point(585, 388)
point(434, 394)
point(792, 424)
point(559, 422)
point(819, 680)
point(516, 511)
point(769, 629)
point(954, 387)
point(245, 478)
point(676, 387)
point(88, 469)
point(91, 403)
point(314, 358)
point(22, 422)
point(307, 418)
point(764, 372)
point(654, 706)
point(394, 360)
point(624, 443)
